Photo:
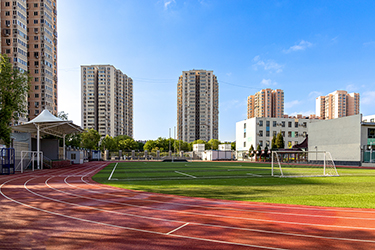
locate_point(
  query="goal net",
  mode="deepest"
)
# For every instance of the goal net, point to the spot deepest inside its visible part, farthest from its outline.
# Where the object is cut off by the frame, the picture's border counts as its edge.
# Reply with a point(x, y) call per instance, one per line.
point(303, 164)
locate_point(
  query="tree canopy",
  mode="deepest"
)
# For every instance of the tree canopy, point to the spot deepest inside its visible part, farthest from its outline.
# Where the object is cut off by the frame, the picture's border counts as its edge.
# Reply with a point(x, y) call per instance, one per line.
point(90, 139)
point(14, 87)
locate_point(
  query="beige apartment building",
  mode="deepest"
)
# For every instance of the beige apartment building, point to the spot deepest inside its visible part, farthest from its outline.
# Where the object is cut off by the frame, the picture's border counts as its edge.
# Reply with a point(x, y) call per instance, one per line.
point(106, 100)
point(29, 38)
point(337, 104)
point(197, 106)
point(266, 103)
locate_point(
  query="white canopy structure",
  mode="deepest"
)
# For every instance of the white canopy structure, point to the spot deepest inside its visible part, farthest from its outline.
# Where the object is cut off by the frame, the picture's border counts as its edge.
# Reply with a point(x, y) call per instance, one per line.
point(46, 123)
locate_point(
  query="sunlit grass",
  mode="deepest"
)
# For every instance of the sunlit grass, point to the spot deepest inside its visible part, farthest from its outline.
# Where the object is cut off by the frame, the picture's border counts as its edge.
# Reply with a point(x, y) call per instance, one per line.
point(244, 181)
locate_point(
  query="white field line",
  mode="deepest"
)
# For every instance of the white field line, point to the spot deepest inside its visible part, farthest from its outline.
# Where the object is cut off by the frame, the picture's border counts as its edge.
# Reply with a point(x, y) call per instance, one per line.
point(133, 229)
point(176, 221)
point(286, 206)
point(234, 217)
point(256, 175)
point(239, 210)
point(174, 230)
point(192, 176)
point(113, 170)
point(152, 218)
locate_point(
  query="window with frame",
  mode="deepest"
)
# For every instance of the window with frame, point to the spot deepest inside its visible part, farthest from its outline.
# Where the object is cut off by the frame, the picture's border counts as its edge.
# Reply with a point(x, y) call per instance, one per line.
point(296, 124)
point(260, 132)
point(260, 123)
point(274, 124)
point(244, 144)
point(267, 123)
point(289, 124)
point(371, 133)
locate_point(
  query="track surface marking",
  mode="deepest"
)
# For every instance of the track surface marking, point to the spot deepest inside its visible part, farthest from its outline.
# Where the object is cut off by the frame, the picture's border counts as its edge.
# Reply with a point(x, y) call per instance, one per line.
point(65, 209)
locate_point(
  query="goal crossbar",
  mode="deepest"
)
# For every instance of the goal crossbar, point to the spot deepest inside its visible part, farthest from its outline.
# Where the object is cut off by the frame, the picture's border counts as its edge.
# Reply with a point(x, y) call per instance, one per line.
point(302, 164)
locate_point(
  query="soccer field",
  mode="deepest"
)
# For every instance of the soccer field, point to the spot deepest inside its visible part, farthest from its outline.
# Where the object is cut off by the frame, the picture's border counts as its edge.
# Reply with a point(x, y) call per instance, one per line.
point(243, 181)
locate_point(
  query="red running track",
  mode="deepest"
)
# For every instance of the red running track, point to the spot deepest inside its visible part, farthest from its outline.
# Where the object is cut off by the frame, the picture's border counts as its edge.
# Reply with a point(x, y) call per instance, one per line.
point(65, 209)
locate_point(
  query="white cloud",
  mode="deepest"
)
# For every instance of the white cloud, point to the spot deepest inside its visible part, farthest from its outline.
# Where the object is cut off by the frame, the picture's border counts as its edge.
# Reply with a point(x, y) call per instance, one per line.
point(268, 82)
point(288, 105)
point(351, 88)
point(301, 46)
point(315, 94)
point(269, 65)
point(368, 98)
point(167, 3)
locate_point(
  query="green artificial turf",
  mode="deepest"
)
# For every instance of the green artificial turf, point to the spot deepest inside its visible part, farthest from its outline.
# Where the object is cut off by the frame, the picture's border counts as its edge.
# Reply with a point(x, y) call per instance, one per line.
point(245, 182)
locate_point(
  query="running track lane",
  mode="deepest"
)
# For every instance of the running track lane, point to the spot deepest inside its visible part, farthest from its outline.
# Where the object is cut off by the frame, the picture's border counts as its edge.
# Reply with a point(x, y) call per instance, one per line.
point(65, 209)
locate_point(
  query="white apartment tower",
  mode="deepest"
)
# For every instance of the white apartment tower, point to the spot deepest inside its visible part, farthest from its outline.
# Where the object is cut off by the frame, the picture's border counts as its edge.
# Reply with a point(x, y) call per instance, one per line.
point(197, 106)
point(106, 100)
point(337, 104)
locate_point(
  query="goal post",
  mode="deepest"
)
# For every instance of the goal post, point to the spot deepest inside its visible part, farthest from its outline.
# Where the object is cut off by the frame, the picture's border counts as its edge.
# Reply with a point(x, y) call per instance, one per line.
point(302, 164)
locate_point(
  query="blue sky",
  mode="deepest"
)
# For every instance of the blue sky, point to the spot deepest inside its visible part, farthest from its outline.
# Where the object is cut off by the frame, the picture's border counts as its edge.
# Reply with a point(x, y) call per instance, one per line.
point(306, 48)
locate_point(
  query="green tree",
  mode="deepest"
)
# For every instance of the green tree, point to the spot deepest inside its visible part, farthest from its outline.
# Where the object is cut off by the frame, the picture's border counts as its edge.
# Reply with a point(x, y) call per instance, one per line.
point(213, 144)
point(109, 143)
point(149, 145)
point(62, 115)
point(90, 139)
point(280, 140)
point(233, 145)
point(259, 149)
point(251, 151)
point(181, 145)
point(14, 86)
point(273, 143)
point(73, 140)
point(127, 144)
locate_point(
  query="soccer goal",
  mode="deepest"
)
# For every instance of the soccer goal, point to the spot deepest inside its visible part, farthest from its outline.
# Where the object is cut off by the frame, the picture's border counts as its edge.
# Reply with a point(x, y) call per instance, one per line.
point(303, 164)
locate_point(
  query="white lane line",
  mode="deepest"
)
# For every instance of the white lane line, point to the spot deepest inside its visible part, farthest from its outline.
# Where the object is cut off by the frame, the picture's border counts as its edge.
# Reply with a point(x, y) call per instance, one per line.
point(192, 176)
point(193, 223)
point(135, 229)
point(113, 170)
point(224, 208)
point(254, 204)
point(222, 216)
point(174, 230)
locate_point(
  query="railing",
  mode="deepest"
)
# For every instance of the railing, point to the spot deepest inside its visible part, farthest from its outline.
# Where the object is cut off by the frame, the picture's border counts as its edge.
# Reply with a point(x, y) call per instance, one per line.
point(30, 157)
point(47, 162)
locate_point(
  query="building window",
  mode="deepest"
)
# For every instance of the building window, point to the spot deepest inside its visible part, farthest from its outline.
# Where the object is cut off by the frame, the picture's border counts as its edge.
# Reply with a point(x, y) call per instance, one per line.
point(36, 95)
point(267, 123)
point(274, 133)
point(289, 124)
point(296, 124)
point(244, 135)
point(244, 125)
point(35, 5)
point(7, 4)
point(267, 133)
point(371, 133)
point(35, 13)
point(260, 123)
point(260, 132)
point(261, 143)
point(244, 144)
point(289, 134)
point(283, 124)
point(296, 134)
point(35, 21)
point(274, 124)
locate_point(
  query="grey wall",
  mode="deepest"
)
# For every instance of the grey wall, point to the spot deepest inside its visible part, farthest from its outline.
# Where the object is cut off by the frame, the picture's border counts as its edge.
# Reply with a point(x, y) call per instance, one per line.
point(341, 137)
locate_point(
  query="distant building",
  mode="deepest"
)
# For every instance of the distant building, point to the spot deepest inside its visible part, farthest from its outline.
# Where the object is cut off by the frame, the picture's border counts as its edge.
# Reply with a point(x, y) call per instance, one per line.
point(337, 104)
point(197, 106)
point(106, 100)
point(29, 39)
point(260, 131)
point(266, 103)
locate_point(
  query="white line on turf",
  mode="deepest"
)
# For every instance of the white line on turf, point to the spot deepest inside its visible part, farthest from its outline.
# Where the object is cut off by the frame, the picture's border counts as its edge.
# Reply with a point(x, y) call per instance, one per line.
point(192, 176)
point(174, 230)
point(109, 178)
point(257, 175)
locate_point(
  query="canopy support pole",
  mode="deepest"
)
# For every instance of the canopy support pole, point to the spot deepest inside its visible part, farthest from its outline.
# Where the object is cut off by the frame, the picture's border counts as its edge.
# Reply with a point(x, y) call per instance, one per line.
point(38, 145)
point(64, 157)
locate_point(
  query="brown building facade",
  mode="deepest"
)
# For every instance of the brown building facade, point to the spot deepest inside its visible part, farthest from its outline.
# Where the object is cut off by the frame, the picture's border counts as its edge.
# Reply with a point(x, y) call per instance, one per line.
point(29, 38)
point(266, 103)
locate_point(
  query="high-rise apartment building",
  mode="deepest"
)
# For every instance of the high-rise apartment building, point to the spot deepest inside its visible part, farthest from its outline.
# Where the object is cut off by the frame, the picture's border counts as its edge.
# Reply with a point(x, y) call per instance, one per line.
point(337, 104)
point(29, 38)
point(266, 103)
point(197, 106)
point(106, 100)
